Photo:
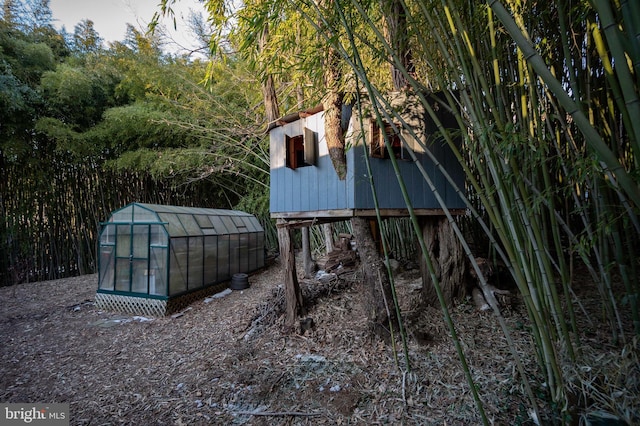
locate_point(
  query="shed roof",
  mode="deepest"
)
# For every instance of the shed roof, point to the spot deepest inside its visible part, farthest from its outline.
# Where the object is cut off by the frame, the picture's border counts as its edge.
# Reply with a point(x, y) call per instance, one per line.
point(295, 116)
point(182, 221)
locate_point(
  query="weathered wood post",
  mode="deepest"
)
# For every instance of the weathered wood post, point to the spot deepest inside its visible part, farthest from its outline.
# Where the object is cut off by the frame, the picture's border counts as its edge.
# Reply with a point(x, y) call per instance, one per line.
point(294, 304)
point(328, 236)
point(307, 261)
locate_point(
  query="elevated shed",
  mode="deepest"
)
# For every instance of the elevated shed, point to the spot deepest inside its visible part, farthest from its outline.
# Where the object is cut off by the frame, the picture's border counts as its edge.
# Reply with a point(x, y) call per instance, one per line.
point(307, 189)
point(304, 184)
point(155, 259)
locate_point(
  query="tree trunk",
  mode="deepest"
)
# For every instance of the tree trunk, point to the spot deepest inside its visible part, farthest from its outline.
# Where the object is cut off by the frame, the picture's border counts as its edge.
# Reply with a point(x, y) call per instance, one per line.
point(332, 102)
point(447, 256)
point(272, 110)
point(294, 304)
point(299, 87)
point(332, 105)
point(397, 36)
point(269, 95)
point(378, 298)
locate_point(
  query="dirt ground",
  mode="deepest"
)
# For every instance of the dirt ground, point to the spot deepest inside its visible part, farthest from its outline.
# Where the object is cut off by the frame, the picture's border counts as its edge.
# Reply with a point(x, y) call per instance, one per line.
point(227, 360)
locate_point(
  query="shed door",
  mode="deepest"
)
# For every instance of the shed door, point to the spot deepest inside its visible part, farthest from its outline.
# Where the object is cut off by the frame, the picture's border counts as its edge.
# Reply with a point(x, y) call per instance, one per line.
point(132, 258)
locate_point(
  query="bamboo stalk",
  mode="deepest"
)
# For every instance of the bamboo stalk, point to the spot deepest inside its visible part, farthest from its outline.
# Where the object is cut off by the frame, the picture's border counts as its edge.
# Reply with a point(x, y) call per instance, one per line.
point(592, 137)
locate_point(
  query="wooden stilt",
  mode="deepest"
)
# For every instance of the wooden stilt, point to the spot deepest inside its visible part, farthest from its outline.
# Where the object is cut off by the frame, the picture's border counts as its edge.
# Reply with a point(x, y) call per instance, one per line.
point(293, 296)
point(328, 236)
point(307, 261)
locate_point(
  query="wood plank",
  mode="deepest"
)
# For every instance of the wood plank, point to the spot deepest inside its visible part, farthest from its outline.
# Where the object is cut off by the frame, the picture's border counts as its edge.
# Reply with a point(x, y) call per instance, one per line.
point(294, 224)
point(325, 216)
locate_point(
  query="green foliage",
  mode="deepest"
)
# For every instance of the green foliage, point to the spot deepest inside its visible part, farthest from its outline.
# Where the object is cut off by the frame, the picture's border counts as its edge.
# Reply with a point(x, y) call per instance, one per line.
point(67, 140)
point(85, 38)
point(73, 96)
point(140, 125)
point(18, 106)
point(28, 60)
point(22, 62)
point(85, 131)
point(56, 41)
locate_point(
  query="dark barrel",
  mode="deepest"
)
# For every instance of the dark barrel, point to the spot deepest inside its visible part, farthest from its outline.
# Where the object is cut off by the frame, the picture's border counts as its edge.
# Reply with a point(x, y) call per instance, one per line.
point(239, 282)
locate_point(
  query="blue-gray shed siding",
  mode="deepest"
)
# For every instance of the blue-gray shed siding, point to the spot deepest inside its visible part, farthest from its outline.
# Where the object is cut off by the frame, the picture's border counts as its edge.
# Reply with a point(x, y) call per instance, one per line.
point(317, 188)
point(388, 188)
point(310, 188)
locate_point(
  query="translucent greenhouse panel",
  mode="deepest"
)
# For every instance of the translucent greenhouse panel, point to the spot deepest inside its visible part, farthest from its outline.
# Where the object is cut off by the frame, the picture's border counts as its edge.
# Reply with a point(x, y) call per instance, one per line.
point(210, 260)
point(173, 225)
point(158, 267)
point(203, 221)
point(124, 215)
point(139, 277)
point(123, 273)
point(241, 226)
point(252, 224)
point(243, 252)
point(140, 241)
point(190, 224)
point(260, 248)
point(158, 236)
point(158, 271)
point(218, 225)
point(256, 251)
point(141, 214)
point(228, 223)
point(234, 254)
point(123, 241)
point(196, 262)
point(178, 266)
point(107, 263)
point(223, 258)
point(108, 235)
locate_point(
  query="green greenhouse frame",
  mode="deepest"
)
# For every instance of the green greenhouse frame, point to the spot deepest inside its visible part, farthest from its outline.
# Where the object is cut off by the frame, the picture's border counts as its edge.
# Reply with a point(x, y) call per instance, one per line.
point(155, 259)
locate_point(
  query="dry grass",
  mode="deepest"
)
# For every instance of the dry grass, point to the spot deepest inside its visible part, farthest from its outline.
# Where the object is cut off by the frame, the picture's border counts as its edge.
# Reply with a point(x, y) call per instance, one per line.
point(227, 361)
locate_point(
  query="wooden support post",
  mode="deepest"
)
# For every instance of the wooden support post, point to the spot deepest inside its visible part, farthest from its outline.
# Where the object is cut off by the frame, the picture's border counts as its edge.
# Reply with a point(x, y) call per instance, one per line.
point(308, 263)
point(328, 236)
point(376, 234)
point(294, 303)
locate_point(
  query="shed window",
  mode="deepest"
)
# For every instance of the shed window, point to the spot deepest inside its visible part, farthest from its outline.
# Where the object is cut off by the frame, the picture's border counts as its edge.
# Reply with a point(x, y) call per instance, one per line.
point(301, 149)
point(377, 146)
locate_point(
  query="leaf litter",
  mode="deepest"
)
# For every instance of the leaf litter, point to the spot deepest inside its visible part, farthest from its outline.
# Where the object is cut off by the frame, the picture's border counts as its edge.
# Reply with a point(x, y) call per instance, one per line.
point(226, 360)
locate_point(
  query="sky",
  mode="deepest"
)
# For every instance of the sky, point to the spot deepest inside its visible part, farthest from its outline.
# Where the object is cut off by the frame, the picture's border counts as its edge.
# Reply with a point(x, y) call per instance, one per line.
point(110, 17)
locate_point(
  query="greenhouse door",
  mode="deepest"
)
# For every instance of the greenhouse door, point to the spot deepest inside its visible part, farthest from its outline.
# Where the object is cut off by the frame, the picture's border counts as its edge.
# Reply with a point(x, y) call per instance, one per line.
point(132, 259)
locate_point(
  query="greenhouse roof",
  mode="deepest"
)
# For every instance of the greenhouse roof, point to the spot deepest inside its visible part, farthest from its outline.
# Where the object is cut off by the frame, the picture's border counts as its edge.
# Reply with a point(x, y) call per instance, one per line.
point(188, 221)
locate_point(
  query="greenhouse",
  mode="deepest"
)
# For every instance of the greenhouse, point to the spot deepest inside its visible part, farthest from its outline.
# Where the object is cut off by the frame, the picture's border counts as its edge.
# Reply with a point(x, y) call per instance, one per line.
point(156, 259)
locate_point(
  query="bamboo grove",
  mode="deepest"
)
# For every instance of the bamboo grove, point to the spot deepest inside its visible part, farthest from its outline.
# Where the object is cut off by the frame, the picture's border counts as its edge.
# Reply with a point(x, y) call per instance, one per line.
point(86, 129)
point(550, 145)
point(546, 99)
